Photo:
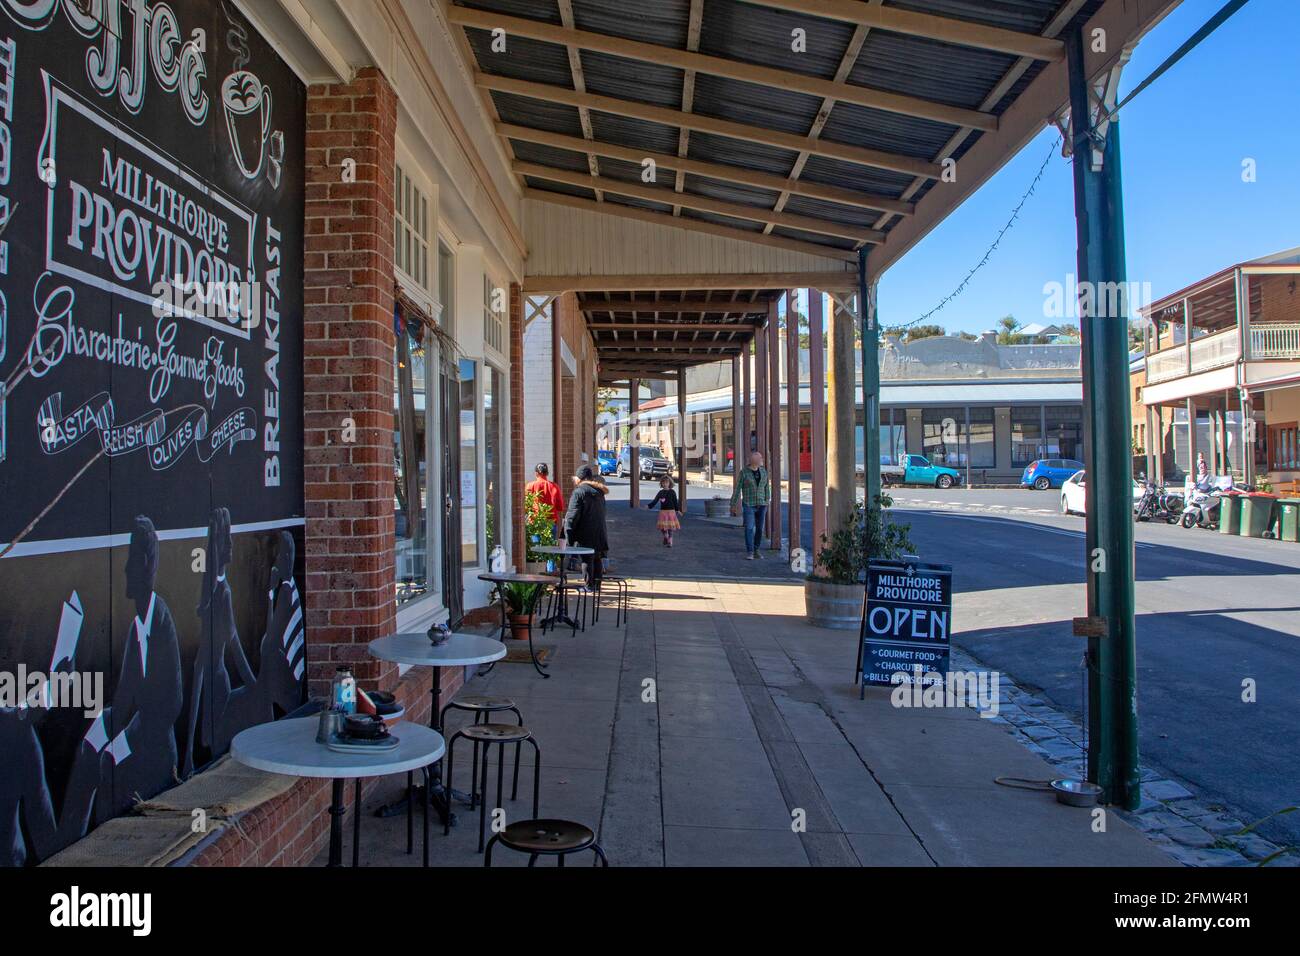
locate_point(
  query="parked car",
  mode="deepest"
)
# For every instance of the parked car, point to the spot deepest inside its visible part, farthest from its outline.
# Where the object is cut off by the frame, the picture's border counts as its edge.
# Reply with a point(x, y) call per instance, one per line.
point(1074, 498)
point(917, 470)
point(607, 460)
point(652, 462)
point(1049, 472)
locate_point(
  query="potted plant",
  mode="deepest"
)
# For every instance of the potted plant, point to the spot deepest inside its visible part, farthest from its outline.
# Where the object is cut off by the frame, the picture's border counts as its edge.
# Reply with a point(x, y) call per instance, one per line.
point(540, 532)
point(521, 601)
point(834, 589)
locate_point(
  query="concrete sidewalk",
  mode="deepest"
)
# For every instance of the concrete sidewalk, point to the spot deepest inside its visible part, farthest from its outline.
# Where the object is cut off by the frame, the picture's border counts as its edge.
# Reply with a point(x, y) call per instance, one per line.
point(718, 720)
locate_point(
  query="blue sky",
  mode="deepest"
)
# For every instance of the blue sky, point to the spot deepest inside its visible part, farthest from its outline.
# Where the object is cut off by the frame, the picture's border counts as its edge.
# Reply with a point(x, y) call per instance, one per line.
point(1187, 211)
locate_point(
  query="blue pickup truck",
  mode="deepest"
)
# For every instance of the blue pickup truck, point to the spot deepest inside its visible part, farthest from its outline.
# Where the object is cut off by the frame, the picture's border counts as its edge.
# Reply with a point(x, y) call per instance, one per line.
point(917, 470)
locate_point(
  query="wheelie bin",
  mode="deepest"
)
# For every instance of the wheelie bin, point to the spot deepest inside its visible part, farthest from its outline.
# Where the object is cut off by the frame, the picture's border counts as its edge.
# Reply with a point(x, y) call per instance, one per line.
point(1230, 513)
point(1288, 519)
point(1257, 513)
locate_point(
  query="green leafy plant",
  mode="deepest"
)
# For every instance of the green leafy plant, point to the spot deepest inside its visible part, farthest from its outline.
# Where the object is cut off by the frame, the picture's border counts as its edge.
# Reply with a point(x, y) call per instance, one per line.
point(866, 533)
point(518, 597)
point(1263, 484)
point(540, 526)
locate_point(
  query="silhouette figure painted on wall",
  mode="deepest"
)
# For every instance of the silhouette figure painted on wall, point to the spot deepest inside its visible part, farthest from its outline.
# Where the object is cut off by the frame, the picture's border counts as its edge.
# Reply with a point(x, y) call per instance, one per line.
point(219, 707)
point(138, 730)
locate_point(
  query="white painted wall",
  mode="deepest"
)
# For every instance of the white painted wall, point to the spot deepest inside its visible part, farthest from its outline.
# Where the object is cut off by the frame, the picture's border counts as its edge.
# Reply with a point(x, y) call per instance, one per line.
point(539, 412)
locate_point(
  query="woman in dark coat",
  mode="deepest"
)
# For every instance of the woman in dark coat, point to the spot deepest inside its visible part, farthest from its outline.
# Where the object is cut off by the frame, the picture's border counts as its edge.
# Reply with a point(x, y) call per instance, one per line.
point(584, 524)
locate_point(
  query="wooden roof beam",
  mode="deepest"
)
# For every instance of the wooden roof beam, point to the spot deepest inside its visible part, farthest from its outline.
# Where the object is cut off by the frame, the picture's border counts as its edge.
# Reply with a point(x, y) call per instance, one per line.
point(718, 171)
point(927, 25)
point(874, 158)
point(692, 281)
point(719, 66)
point(694, 225)
point(760, 214)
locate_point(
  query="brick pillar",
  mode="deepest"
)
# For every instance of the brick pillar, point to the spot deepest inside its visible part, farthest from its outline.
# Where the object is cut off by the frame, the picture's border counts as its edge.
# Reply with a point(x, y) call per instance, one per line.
point(348, 376)
point(518, 516)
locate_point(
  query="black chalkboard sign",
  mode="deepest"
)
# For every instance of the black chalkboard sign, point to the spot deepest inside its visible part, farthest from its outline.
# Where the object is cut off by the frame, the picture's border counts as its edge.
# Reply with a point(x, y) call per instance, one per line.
point(906, 621)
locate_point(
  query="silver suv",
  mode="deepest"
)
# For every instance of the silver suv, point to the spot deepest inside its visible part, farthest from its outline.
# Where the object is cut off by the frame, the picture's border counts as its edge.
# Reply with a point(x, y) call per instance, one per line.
point(652, 462)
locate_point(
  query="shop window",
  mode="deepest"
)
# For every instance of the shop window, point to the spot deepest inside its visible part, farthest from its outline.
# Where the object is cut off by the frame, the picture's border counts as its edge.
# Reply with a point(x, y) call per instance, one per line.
point(943, 436)
point(983, 451)
point(494, 395)
point(1026, 435)
point(1064, 432)
point(410, 456)
point(411, 232)
point(1283, 453)
point(893, 436)
point(469, 485)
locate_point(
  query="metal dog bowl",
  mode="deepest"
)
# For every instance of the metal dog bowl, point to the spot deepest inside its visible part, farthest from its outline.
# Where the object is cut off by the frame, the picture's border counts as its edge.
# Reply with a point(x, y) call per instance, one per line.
point(1076, 793)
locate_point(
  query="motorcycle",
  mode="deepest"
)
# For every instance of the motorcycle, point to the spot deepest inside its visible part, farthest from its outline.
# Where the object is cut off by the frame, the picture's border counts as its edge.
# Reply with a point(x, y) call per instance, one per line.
point(1157, 502)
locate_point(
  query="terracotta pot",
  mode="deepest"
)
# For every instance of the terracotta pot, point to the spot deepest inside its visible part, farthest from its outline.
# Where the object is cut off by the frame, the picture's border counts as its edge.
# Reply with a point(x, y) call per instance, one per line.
point(521, 626)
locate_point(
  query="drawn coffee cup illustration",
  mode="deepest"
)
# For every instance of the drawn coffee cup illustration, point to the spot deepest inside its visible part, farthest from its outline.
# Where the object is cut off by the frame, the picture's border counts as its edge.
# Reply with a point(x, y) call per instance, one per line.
point(247, 103)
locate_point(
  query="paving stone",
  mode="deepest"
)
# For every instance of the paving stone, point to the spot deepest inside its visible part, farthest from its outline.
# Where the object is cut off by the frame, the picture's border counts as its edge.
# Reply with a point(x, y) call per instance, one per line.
point(1166, 790)
point(1189, 835)
point(1161, 820)
point(1190, 856)
point(1253, 846)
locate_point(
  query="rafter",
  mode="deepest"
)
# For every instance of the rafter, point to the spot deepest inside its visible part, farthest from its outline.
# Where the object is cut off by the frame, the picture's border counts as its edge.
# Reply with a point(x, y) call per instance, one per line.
point(669, 326)
point(693, 25)
point(685, 306)
point(927, 25)
point(1012, 76)
point(580, 84)
point(547, 92)
point(825, 227)
point(719, 171)
point(693, 225)
point(731, 69)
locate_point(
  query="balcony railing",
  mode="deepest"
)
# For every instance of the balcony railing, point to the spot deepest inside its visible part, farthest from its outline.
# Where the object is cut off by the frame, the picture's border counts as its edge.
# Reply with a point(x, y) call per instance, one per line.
point(1268, 340)
point(1275, 340)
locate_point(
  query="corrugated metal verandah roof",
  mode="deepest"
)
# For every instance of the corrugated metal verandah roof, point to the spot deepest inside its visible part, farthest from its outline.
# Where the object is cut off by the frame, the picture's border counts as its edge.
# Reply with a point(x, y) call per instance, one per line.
point(813, 125)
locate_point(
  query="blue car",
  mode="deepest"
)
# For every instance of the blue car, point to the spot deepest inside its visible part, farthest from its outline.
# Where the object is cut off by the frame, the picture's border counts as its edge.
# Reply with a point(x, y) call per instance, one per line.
point(1049, 472)
point(607, 461)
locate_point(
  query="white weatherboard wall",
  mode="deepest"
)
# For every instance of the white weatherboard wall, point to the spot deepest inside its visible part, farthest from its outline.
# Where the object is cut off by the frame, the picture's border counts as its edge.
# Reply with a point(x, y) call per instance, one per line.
point(539, 416)
point(567, 241)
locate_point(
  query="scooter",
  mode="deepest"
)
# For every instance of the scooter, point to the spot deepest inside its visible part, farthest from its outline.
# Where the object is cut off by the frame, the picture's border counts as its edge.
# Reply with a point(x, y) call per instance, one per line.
point(1202, 509)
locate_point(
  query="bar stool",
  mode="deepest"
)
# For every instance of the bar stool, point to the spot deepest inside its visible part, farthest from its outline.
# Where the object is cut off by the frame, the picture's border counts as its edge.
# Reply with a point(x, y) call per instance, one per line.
point(488, 735)
point(622, 599)
point(481, 707)
point(558, 598)
point(556, 838)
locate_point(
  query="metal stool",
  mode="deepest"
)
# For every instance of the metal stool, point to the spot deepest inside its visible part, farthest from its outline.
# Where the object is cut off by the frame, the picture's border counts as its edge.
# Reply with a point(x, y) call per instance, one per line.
point(622, 600)
point(481, 707)
point(558, 599)
point(556, 838)
point(487, 735)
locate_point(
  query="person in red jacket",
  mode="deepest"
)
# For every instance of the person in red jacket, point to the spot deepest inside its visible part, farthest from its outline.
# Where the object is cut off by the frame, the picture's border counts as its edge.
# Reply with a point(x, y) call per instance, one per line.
point(548, 496)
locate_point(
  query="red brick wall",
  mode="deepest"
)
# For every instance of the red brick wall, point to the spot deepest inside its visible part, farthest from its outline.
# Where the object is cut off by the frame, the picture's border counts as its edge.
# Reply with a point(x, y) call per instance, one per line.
point(348, 375)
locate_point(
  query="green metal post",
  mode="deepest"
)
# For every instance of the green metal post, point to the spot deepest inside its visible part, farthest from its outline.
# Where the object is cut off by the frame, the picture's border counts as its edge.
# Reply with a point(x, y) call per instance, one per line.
point(870, 384)
point(1099, 213)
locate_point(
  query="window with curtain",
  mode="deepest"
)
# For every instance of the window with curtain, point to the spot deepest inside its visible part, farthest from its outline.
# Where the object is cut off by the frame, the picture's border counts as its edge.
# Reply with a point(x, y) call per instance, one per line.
point(1026, 434)
point(410, 457)
point(943, 436)
point(469, 484)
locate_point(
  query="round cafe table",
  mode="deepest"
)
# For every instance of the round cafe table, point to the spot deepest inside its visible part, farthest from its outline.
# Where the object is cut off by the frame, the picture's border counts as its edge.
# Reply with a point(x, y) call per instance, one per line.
point(562, 551)
point(289, 747)
point(415, 648)
point(511, 577)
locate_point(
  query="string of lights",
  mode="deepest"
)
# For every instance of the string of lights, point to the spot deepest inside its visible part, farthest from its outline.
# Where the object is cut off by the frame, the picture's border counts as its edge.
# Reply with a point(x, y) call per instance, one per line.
point(997, 241)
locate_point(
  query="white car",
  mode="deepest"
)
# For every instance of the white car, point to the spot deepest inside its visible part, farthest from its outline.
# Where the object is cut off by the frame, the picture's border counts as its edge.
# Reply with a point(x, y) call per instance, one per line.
point(1074, 499)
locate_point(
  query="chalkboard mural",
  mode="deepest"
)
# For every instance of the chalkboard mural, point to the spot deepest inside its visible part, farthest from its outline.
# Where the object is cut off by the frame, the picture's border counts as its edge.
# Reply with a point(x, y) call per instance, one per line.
point(151, 509)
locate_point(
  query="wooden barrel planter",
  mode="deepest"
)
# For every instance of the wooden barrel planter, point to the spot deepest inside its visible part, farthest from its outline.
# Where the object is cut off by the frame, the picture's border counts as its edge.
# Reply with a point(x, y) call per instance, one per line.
point(717, 508)
point(835, 606)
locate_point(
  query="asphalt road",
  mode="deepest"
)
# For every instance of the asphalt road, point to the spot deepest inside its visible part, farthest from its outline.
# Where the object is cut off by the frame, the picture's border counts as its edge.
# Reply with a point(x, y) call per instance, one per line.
point(1213, 611)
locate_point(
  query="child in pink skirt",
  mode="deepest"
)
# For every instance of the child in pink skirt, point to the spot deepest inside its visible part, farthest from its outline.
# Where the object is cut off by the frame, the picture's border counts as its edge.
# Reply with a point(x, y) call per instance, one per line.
point(668, 510)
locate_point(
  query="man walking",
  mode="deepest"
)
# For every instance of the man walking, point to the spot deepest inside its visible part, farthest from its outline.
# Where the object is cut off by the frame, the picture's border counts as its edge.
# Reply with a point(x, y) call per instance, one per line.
point(753, 488)
point(549, 497)
point(585, 523)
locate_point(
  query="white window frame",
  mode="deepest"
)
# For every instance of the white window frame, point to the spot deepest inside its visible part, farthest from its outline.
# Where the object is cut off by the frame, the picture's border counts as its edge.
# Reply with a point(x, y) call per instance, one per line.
point(494, 322)
point(409, 181)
